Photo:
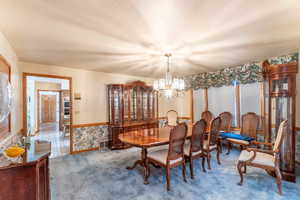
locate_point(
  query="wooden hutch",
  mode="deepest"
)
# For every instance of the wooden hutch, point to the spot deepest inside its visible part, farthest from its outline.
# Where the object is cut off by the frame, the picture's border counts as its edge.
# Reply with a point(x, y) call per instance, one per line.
point(280, 99)
point(131, 106)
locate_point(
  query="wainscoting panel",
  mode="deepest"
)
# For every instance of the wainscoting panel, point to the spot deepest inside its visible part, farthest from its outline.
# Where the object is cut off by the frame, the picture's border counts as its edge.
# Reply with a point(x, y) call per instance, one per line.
point(90, 138)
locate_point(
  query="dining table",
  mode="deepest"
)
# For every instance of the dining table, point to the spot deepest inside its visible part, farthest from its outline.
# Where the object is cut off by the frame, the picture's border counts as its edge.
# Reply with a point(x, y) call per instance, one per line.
point(146, 139)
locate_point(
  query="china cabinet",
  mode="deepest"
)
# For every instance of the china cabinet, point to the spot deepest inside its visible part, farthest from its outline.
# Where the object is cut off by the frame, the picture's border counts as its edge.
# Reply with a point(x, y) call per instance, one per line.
point(280, 94)
point(131, 106)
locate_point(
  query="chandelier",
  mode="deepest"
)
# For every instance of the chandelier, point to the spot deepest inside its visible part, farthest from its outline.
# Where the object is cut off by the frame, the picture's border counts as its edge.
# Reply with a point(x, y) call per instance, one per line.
point(169, 86)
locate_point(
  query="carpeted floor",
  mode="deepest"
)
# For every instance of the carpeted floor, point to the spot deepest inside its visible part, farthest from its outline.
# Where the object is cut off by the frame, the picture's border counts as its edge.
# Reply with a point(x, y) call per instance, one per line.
point(103, 176)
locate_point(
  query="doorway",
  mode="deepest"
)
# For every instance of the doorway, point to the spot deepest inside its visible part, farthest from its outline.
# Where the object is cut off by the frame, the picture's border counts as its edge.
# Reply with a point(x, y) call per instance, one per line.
point(47, 111)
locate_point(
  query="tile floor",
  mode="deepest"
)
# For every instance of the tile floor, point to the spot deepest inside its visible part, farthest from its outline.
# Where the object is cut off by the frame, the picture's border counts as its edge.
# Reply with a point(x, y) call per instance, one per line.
point(59, 143)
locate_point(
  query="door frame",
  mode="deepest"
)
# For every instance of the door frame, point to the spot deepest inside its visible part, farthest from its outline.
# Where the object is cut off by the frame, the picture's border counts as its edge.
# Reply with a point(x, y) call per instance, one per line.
point(39, 104)
point(24, 88)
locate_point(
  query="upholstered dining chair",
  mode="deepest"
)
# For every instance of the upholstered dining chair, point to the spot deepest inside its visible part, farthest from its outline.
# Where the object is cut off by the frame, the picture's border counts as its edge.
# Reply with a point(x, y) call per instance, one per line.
point(208, 117)
point(265, 159)
point(172, 118)
point(212, 143)
point(193, 149)
point(250, 122)
point(226, 120)
point(173, 156)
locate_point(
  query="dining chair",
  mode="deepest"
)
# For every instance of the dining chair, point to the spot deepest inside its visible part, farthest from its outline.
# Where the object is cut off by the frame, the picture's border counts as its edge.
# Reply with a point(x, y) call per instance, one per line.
point(268, 160)
point(208, 117)
point(250, 122)
point(194, 148)
point(173, 156)
point(226, 121)
point(213, 143)
point(172, 118)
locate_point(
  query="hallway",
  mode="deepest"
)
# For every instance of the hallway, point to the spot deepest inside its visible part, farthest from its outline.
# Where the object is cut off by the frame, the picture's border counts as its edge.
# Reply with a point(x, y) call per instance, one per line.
point(60, 144)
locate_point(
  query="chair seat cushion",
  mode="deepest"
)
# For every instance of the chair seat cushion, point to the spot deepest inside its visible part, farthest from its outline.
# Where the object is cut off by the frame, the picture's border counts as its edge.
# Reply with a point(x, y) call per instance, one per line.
point(205, 145)
point(261, 158)
point(157, 148)
point(187, 150)
point(238, 141)
point(161, 156)
point(231, 135)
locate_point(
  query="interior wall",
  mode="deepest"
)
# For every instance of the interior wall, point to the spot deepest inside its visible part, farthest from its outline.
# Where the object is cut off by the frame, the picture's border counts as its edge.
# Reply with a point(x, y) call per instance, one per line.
point(92, 108)
point(10, 56)
point(181, 104)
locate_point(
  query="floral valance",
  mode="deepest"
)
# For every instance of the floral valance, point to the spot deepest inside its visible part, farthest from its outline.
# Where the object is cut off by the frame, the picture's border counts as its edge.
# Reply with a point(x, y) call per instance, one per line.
point(244, 74)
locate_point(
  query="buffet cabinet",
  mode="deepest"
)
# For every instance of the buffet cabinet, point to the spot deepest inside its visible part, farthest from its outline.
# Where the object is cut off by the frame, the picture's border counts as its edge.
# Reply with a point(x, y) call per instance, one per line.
point(280, 94)
point(131, 107)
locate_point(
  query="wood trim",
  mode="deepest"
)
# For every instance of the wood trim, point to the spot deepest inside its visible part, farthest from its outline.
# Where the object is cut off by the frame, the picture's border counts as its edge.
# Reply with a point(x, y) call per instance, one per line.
point(297, 162)
point(24, 91)
point(47, 76)
point(192, 105)
point(188, 118)
point(238, 105)
point(185, 118)
point(205, 96)
point(85, 150)
point(297, 129)
point(90, 124)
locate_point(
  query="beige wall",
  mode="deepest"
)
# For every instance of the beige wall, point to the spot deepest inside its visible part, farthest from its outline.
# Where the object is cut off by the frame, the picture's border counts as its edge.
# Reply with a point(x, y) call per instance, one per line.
point(92, 107)
point(8, 53)
point(181, 104)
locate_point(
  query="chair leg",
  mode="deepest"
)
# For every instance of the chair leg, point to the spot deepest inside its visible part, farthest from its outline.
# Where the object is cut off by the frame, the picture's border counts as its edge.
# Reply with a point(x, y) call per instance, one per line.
point(220, 146)
point(208, 160)
point(183, 171)
point(241, 147)
point(168, 177)
point(148, 168)
point(278, 180)
point(239, 166)
point(228, 147)
point(203, 164)
point(245, 169)
point(191, 169)
point(218, 156)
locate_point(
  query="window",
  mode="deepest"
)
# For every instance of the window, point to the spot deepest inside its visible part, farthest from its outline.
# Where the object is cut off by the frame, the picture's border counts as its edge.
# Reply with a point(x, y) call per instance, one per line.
point(198, 99)
point(250, 98)
point(222, 99)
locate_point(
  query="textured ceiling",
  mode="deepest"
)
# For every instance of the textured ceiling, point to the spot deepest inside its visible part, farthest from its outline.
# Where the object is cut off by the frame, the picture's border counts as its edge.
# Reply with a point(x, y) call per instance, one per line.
point(131, 36)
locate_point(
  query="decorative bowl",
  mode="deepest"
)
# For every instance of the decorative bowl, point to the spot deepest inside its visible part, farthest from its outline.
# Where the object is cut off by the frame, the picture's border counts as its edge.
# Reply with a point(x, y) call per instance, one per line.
point(14, 151)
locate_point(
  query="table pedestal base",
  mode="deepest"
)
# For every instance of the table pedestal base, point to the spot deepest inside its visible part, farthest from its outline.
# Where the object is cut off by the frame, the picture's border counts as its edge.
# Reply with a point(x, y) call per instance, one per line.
point(142, 163)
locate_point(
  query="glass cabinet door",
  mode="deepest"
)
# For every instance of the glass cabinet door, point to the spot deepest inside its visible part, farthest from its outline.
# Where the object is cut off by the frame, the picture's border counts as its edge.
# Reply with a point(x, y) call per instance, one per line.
point(117, 104)
point(280, 86)
point(145, 104)
point(150, 110)
point(133, 102)
point(126, 101)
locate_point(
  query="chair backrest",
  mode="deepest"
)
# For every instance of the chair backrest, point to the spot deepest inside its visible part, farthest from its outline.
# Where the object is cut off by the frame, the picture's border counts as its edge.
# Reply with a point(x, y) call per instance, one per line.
point(280, 135)
point(172, 117)
point(177, 139)
point(207, 116)
point(226, 120)
point(198, 135)
point(250, 122)
point(213, 134)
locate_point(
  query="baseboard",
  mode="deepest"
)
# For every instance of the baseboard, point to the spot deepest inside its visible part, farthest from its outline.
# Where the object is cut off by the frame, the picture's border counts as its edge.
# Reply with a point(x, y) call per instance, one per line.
point(85, 150)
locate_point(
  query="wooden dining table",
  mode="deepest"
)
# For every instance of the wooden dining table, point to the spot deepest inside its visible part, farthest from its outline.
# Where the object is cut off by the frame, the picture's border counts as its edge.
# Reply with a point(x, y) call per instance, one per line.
point(145, 139)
